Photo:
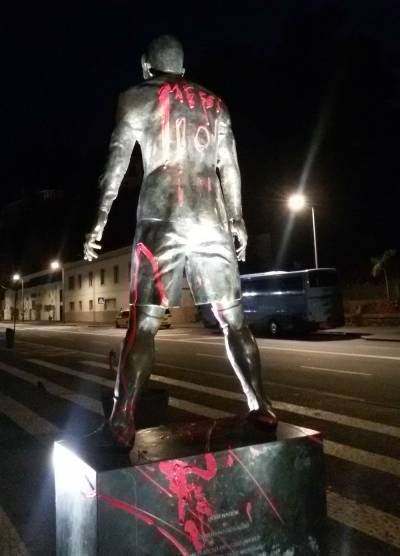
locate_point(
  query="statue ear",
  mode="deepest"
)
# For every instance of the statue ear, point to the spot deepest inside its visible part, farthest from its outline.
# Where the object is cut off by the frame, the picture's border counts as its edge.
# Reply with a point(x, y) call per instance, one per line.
point(183, 71)
point(146, 67)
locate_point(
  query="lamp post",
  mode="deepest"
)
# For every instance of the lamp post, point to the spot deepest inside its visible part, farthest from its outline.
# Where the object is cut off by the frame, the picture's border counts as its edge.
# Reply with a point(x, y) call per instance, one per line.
point(297, 202)
point(17, 278)
point(56, 265)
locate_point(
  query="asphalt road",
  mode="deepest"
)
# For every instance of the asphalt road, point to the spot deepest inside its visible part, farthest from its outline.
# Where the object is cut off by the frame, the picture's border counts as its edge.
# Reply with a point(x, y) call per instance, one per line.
point(340, 384)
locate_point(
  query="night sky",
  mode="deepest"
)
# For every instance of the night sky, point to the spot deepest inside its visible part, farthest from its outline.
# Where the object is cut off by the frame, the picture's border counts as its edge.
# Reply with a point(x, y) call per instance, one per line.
point(313, 90)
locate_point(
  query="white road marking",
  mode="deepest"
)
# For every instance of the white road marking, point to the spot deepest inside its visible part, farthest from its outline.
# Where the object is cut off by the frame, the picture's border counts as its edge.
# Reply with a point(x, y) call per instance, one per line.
point(80, 374)
point(62, 350)
point(364, 518)
point(26, 419)
point(194, 408)
point(298, 350)
point(371, 460)
point(55, 389)
point(334, 370)
point(232, 378)
point(11, 543)
point(340, 419)
point(198, 409)
point(335, 353)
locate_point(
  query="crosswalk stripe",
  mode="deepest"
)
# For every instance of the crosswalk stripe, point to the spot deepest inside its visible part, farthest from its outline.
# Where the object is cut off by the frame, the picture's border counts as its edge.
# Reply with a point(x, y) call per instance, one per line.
point(55, 389)
point(339, 419)
point(378, 462)
point(26, 419)
point(10, 542)
point(196, 409)
point(63, 350)
point(364, 518)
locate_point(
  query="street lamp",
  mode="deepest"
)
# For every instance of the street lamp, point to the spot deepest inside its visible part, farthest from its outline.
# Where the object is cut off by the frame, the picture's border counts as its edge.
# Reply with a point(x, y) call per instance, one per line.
point(56, 265)
point(16, 278)
point(297, 202)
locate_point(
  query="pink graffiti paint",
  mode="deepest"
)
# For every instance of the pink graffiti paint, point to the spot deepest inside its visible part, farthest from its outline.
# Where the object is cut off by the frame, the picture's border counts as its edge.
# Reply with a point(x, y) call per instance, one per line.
point(262, 491)
point(190, 96)
point(158, 485)
point(229, 461)
point(209, 184)
point(193, 534)
point(248, 508)
point(179, 192)
point(207, 102)
point(190, 496)
point(140, 249)
point(195, 514)
point(165, 105)
point(141, 515)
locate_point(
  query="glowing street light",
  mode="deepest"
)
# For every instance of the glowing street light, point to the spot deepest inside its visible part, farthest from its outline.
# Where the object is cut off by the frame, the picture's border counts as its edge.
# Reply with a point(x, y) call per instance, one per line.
point(56, 265)
point(16, 278)
point(297, 202)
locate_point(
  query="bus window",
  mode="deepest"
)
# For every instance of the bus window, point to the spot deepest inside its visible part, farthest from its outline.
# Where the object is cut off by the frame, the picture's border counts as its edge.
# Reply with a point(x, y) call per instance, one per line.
point(322, 278)
point(292, 283)
point(259, 285)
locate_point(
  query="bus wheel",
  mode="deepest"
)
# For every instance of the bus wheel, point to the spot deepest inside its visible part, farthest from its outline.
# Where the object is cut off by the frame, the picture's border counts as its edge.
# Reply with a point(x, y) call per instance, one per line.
point(273, 328)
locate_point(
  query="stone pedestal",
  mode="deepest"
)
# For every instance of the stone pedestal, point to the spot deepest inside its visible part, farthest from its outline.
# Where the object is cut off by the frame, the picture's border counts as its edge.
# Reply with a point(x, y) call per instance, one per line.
point(210, 487)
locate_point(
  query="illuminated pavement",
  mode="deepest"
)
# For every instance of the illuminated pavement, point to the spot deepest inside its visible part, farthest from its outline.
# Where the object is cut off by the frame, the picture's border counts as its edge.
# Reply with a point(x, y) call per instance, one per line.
point(342, 385)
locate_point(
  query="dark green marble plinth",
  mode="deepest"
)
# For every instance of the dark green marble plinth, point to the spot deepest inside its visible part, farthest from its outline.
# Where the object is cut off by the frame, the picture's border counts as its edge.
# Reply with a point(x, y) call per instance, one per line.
point(211, 487)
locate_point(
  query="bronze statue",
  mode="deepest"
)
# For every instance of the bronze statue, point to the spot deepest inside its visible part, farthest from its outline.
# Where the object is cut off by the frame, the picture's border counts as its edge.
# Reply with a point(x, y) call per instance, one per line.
point(189, 213)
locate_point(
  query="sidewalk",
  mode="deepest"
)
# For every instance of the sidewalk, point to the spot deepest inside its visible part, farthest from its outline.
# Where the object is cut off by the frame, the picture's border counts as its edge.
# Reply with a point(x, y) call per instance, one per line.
point(373, 333)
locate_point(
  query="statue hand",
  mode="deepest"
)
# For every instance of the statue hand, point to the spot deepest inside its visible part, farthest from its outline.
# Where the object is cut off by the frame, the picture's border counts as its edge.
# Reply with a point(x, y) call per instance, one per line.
point(238, 230)
point(90, 246)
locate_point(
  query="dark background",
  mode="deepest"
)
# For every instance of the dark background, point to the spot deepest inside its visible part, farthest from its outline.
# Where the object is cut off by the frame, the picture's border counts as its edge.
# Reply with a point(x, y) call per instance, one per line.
point(313, 90)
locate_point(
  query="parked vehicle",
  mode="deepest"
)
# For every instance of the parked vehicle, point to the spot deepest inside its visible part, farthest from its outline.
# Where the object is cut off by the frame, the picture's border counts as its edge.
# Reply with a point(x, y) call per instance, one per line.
point(300, 301)
point(122, 319)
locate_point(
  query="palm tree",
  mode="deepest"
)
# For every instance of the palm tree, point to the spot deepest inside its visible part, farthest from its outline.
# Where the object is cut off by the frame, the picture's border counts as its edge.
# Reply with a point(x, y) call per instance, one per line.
point(380, 265)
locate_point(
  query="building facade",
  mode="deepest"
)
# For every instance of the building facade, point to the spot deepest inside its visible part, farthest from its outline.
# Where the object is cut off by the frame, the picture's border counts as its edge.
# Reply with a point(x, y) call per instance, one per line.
point(88, 292)
point(36, 296)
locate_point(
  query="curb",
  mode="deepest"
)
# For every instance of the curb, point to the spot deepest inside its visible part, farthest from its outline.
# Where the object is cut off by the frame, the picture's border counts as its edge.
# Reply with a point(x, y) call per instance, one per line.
point(380, 339)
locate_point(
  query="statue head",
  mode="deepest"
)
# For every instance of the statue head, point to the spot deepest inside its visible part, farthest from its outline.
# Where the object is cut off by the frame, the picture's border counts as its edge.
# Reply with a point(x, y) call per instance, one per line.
point(163, 55)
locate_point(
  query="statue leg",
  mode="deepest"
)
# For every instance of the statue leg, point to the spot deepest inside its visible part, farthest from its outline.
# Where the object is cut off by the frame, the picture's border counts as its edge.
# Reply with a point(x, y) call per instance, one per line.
point(134, 368)
point(244, 357)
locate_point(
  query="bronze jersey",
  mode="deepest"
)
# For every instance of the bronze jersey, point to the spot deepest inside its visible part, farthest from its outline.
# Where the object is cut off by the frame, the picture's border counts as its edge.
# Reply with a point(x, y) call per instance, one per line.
point(185, 135)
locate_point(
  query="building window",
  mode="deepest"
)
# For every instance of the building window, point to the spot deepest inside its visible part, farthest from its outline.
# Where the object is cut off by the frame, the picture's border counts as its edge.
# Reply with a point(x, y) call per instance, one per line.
point(90, 304)
point(72, 306)
point(80, 305)
point(71, 282)
point(102, 276)
point(110, 304)
point(79, 281)
point(116, 274)
point(90, 279)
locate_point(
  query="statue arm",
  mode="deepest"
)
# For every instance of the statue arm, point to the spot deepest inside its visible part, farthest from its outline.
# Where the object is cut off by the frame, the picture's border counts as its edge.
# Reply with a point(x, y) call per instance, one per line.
point(122, 142)
point(228, 167)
